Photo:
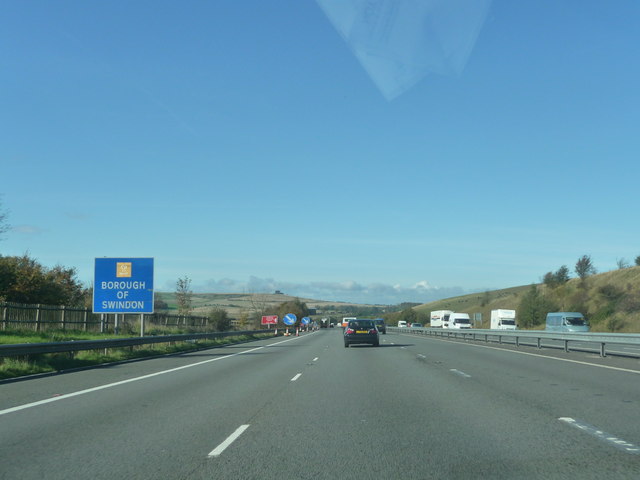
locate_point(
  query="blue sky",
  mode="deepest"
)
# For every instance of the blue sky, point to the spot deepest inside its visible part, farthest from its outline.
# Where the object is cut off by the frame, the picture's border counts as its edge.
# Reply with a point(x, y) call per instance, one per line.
point(376, 151)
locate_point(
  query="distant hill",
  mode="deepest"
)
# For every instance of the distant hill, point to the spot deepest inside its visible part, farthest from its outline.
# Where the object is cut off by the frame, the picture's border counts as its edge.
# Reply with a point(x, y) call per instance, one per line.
point(609, 300)
point(238, 303)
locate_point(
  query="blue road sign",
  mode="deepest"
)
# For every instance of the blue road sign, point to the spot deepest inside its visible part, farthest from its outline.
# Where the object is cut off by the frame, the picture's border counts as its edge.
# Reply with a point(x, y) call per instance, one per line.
point(305, 320)
point(289, 319)
point(123, 285)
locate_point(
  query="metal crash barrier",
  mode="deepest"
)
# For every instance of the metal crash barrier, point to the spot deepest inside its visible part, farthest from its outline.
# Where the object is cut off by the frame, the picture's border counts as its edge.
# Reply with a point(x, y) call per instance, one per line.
point(602, 343)
point(74, 346)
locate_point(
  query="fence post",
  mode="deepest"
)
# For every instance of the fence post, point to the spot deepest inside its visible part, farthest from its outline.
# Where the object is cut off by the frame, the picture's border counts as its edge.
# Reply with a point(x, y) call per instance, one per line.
point(4, 317)
point(63, 317)
point(102, 323)
point(37, 317)
point(116, 325)
point(86, 318)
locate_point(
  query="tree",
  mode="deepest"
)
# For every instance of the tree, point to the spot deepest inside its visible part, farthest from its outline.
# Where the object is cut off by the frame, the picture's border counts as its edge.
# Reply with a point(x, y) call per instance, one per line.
point(614, 324)
point(297, 307)
point(533, 308)
point(259, 306)
point(409, 315)
point(622, 263)
point(559, 277)
point(4, 226)
point(486, 298)
point(637, 260)
point(184, 296)
point(562, 275)
point(24, 280)
point(584, 267)
point(549, 280)
point(220, 319)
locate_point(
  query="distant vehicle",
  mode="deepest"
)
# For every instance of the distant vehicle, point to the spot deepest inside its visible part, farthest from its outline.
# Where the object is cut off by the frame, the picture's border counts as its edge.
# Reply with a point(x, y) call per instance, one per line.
point(502, 319)
point(346, 320)
point(439, 318)
point(402, 324)
point(382, 327)
point(361, 331)
point(458, 320)
point(416, 325)
point(566, 322)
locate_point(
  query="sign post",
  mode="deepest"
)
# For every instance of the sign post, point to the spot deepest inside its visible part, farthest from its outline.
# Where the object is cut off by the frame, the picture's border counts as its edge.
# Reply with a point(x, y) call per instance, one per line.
point(306, 321)
point(289, 319)
point(270, 320)
point(123, 285)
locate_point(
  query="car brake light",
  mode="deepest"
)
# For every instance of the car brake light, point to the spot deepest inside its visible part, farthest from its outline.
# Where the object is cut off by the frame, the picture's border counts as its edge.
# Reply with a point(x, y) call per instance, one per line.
point(373, 330)
point(350, 331)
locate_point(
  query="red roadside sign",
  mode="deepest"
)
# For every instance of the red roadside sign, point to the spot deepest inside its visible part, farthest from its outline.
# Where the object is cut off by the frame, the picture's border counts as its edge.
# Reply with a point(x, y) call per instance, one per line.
point(270, 320)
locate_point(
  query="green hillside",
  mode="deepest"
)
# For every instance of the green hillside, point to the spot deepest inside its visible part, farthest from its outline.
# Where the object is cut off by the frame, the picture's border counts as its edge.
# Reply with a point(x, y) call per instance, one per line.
point(479, 303)
point(609, 300)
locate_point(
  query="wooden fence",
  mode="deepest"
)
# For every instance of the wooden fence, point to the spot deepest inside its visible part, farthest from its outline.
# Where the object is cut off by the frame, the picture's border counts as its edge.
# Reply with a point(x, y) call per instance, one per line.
point(50, 317)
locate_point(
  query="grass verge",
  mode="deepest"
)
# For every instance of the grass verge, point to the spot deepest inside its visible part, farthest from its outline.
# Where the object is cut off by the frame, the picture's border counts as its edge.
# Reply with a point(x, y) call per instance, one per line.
point(13, 367)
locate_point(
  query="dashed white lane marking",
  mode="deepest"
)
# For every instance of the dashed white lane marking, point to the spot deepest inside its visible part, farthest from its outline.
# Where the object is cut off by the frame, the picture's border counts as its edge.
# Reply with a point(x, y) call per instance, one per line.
point(461, 373)
point(603, 436)
point(296, 377)
point(216, 452)
point(315, 359)
point(421, 356)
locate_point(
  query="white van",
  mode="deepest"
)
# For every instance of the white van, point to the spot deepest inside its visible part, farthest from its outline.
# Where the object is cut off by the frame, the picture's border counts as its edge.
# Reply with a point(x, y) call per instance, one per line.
point(402, 324)
point(566, 322)
point(459, 320)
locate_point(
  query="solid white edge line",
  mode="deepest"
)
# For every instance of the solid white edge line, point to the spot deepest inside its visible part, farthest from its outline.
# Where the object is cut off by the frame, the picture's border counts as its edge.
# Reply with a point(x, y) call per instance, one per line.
point(130, 380)
point(115, 384)
point(296, 377)
point(619, 369)
point(216, 452)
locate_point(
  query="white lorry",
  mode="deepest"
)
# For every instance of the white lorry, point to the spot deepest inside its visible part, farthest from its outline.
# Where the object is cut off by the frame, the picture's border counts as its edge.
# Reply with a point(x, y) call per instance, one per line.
point(502, 319)
point(449, 319)
point(439, 318)
point(346, 320)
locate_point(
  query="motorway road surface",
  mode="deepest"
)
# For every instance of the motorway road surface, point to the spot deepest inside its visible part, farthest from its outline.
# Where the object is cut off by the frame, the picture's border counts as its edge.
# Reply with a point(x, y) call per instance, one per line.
point(308, 408)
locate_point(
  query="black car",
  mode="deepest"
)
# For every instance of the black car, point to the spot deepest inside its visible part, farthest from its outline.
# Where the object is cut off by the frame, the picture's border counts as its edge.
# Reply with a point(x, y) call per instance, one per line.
point(361, 331)
point(382, 327)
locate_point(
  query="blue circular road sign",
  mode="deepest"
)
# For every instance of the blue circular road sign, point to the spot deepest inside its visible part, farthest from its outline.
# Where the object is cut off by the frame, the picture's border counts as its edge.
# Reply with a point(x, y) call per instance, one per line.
point(289, 319)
